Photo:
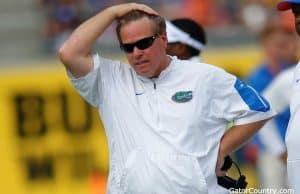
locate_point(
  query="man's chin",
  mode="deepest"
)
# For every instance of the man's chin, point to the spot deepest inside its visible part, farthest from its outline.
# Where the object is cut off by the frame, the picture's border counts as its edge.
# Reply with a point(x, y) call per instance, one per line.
point(144, 74)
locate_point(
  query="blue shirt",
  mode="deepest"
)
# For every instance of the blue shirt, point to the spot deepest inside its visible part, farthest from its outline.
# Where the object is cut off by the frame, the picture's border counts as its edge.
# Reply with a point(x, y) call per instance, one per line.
point(260, 80)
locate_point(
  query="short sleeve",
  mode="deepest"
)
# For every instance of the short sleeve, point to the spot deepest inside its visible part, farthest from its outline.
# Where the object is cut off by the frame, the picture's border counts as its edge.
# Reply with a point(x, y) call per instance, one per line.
point(235, 101)
point(91, 86)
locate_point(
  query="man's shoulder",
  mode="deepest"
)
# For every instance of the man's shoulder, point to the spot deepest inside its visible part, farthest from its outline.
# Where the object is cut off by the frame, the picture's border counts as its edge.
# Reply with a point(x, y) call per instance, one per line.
point(196, 66)
point(196, 70)
point(111, 64)
point(102, 59)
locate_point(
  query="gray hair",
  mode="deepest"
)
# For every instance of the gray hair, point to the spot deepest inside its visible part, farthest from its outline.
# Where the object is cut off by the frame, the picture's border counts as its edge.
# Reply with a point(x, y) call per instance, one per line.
point(159, 24)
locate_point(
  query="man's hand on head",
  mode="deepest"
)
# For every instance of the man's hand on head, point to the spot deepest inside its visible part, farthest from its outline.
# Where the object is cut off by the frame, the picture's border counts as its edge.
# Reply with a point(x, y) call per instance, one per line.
point(122, 9)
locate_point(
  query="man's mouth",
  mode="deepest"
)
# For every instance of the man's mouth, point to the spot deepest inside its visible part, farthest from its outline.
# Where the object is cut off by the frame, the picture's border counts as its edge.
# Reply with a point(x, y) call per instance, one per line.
point(140, 63)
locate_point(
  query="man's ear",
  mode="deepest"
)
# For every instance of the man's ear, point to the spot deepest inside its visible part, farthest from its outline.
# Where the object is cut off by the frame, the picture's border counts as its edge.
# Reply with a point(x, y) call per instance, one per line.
point(164, 38)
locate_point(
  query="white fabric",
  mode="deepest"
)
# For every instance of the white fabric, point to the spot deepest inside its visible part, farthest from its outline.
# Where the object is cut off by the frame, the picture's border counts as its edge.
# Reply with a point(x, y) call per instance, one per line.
point(156, 144)
point(293, 134)
point(272, 171)
point(195, 59)
point(279, 91)
point(278, 94)
point(293, 168)
point(175, 34)
point(271, 139)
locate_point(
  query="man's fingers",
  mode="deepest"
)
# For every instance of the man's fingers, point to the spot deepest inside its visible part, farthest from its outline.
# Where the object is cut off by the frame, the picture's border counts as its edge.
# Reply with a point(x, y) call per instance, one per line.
point(123, 9)
point(147, 9)
point(221, 173)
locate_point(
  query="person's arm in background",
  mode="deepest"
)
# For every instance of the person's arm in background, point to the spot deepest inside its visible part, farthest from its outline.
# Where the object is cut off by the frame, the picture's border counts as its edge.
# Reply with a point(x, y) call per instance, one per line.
point(271, 139)
point(233, 138)
point(278, 94)
point(76, 52)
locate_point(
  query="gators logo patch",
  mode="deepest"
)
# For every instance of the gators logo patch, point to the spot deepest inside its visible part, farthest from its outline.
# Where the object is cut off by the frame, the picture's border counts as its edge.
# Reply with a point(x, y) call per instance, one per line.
point(182, 96)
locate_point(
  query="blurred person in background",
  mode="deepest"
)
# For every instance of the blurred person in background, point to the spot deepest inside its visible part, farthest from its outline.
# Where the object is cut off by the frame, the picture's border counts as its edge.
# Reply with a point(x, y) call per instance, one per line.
point(280, 50)
point(62, 17)
point(208, 12)
point(293, 131)
point(186, 39)
point(279, 94)
point(261, 14)
point(165, 118)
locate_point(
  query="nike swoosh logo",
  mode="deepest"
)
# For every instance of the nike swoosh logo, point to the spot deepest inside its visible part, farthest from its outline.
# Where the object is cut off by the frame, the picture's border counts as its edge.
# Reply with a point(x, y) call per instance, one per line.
point(138, 94)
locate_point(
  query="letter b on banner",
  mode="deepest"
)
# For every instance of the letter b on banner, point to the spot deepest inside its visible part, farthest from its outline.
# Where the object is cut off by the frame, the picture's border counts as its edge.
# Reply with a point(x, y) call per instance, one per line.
point(30, 115)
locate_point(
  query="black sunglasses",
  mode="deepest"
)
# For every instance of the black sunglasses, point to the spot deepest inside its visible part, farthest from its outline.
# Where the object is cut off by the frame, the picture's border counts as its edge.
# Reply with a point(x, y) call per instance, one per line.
point(141, 44)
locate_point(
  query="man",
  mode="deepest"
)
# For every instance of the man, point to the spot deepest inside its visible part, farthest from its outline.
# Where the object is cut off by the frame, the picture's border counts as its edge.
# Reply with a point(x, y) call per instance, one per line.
point(186, 39)
point(293, 133)
point(164, 118)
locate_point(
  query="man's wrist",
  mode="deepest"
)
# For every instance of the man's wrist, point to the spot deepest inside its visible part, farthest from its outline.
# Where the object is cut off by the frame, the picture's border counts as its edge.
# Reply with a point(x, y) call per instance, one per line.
point(113, 10)
point(222, 151)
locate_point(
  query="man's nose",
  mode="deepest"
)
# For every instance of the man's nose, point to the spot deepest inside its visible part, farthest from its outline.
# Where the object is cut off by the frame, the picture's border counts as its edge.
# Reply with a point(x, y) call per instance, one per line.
point(137, 52)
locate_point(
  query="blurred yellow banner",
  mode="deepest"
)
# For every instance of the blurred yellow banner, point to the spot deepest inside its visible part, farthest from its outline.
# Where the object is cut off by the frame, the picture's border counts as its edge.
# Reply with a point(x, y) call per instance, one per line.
point(239, 61)
point(51, 141)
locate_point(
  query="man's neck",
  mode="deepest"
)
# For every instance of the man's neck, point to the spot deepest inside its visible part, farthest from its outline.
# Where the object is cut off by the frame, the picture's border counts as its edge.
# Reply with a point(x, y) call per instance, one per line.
point(165, 63)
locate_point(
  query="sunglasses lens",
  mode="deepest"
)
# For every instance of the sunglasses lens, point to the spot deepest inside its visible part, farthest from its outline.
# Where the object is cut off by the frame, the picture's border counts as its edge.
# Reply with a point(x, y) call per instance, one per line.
point(127, 48)
point(145, 43)
point(141, 44)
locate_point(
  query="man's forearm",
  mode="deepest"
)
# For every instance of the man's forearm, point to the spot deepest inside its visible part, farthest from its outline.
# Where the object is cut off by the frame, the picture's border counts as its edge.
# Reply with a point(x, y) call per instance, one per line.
point(75, 53)
point(237, 135)
point(84, 37)
point(233, 139)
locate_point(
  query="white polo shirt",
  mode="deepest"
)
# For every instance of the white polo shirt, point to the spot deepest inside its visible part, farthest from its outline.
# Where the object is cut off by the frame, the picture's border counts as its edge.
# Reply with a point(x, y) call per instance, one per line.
point(293, 134)
point(164, 133)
